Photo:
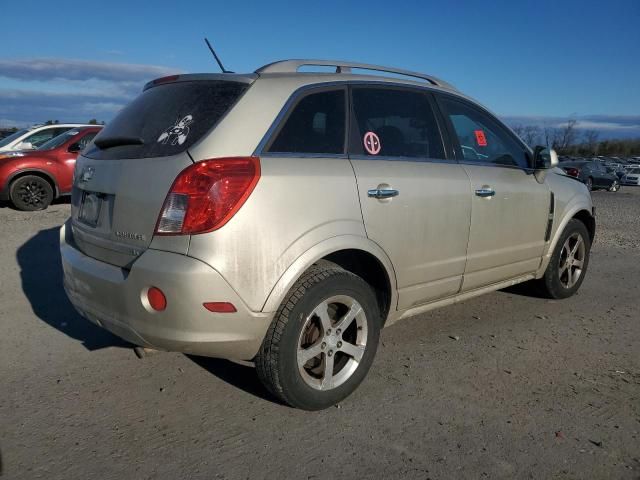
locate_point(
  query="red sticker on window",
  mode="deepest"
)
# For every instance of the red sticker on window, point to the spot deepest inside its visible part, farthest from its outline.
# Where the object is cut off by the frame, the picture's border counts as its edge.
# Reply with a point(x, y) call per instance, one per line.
point(372, 143)
point(481, 140)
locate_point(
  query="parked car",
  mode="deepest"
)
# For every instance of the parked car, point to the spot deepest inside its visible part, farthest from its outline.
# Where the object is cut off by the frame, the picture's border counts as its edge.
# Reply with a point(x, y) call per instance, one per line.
point(34, 137)
point(31, 179)
point(593, 174)
point(619, 172)
point(286, 217)
point(632, 177)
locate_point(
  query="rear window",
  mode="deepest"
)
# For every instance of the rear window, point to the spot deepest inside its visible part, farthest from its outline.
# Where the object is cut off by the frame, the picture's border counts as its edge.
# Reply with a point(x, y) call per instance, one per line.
point(168, 118)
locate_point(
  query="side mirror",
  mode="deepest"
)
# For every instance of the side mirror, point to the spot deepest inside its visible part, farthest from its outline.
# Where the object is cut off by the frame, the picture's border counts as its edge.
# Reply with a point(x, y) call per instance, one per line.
point(544, 158)
point(74, 148)
point(24, 146)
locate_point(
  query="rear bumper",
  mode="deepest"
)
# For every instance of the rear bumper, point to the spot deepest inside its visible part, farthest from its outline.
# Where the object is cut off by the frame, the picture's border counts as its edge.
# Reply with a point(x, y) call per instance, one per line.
point(111, 297)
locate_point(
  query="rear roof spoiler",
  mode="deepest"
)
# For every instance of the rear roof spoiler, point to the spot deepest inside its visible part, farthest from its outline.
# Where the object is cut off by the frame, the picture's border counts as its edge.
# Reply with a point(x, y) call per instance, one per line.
point(193, 77)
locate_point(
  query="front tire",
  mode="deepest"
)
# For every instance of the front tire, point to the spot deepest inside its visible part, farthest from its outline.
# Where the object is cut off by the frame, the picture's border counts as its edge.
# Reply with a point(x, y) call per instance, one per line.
point(569, 261)
point(30, 193)
point(322, 340)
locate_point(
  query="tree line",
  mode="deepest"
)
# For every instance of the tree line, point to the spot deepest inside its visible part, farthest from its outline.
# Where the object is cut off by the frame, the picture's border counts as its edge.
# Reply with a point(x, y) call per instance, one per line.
point(568, 140)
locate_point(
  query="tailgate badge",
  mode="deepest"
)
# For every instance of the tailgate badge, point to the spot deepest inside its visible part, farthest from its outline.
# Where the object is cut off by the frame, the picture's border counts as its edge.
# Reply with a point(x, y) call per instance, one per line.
point(87, 174)
point(130, 235)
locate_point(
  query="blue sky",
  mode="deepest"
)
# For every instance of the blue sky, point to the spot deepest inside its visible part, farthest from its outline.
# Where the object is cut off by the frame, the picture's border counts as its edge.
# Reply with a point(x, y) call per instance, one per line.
point(530, 62)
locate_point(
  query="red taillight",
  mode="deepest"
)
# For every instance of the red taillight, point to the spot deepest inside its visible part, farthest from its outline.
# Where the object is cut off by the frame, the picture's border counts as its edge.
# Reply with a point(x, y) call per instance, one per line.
point(207, 194)
point(574, 172)
point(220, 307)
point(156, 299)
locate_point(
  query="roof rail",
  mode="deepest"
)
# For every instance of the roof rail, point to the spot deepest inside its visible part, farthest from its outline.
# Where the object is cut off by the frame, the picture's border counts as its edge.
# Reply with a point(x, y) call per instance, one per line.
point(292, 66)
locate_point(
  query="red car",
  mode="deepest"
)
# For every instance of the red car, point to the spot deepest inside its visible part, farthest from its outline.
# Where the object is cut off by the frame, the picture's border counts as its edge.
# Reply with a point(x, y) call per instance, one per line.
point(31, 179)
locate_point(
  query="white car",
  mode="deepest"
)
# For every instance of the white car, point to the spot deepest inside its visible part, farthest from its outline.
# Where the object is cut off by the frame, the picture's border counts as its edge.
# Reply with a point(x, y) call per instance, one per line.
point(632, 177)
point(33, 137)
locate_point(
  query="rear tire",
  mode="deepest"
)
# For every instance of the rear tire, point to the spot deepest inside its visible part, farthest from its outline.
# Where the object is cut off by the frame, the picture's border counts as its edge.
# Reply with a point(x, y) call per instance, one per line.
point(329, 322)
point(30, 193)
point(569, 261)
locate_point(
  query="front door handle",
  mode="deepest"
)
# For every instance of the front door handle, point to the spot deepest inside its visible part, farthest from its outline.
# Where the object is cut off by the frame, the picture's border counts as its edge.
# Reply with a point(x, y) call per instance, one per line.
point(381, 193)
point(485, 192)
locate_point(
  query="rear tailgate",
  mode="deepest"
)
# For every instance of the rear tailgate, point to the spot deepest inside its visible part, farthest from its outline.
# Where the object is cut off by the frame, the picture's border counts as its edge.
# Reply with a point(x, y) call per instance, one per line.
point(122, 179)
point(126, 198)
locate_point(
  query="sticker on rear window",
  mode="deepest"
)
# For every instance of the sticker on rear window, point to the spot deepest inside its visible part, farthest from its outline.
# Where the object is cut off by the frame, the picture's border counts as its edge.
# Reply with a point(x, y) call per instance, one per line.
point(178, 133)
point(481, 140)
point(372, 143)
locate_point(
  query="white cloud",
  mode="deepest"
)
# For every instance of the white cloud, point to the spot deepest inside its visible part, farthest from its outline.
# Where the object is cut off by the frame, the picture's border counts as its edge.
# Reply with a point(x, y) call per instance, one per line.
point(69, 89)
point(42, 69)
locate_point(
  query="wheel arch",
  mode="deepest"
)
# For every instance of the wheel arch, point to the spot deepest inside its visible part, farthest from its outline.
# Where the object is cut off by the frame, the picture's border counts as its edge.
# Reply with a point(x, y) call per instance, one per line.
point(356, 254)
point(578, 211)
point(368, 267)
point(589, 221)
point(36, 172)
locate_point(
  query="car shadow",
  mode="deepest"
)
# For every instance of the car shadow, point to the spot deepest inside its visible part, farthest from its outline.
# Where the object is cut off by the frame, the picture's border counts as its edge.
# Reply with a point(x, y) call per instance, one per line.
point(41, 275)
point(64, 200)
point(240, 376)
point(526, 289)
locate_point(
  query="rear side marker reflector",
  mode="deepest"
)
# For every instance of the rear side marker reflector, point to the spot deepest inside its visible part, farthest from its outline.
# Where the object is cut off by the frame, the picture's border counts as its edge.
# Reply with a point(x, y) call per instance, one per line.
point(207, 194)
point(220, 307)
point(156, 298)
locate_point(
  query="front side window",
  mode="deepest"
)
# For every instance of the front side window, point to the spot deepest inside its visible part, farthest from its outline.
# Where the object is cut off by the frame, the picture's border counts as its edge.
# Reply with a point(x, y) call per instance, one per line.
point(316, 125)
point(61, 139)
point(43, 136)
point(394, 123)
point(481, 138)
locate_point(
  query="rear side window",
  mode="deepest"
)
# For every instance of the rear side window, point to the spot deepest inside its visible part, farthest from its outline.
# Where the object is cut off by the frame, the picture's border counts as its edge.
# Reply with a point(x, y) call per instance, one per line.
point(316, 125)
point(168, 118)
point(394, 123)
point(86, 140)
point(481, 138)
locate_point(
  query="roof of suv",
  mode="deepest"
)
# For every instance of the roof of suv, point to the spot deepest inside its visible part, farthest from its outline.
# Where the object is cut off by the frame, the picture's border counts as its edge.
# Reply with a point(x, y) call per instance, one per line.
point(344, 68)
point(343, 71)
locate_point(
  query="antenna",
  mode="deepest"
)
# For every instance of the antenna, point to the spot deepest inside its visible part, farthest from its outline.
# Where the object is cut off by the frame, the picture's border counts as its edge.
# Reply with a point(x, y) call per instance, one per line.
point(216, 57)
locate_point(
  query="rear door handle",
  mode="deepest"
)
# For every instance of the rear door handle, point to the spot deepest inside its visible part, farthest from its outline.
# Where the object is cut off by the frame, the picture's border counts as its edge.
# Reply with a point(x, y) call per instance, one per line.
point(380, 193)
point(485, 192)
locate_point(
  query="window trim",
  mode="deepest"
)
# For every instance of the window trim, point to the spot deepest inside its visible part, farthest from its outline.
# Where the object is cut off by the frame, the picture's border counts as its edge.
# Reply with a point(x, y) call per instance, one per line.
point(355, 137)
point(285, 113)
point(455, 142)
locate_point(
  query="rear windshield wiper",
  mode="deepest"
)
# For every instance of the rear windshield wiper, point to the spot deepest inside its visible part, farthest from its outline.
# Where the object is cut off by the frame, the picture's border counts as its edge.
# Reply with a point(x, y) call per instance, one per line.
point(108, 142)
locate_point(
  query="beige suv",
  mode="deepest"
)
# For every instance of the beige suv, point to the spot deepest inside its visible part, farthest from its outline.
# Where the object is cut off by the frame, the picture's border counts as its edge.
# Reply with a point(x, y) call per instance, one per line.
point(285, 217)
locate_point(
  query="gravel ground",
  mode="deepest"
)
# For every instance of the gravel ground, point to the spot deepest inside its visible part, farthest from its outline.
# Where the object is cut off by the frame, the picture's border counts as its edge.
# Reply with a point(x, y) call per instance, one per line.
point(532, 388)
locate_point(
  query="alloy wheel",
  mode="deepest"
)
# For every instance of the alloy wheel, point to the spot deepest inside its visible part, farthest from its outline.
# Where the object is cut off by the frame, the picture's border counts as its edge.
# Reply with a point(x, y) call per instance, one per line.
point(572, 257)
point(332, 342)
point(32, 193)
